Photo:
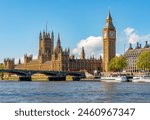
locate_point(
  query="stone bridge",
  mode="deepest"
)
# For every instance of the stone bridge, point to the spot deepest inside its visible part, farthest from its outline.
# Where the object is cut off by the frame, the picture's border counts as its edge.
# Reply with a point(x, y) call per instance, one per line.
point(25, 75)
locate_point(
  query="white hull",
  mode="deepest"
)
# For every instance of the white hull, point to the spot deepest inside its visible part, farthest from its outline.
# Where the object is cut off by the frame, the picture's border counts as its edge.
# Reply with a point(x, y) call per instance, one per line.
point(141, 79)
point(114, 79)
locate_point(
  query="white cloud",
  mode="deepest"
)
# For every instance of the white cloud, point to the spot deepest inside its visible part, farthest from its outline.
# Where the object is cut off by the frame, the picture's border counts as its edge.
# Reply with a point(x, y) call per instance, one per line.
point(132, 36)
point(145, 37)
point(92, 45)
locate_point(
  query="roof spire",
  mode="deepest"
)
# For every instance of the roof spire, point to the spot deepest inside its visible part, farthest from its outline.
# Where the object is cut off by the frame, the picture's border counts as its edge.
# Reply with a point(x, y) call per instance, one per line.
point(58, 41)
point(58, 46)
point(82, 56)
point(109, 23)
point(40, 36)
point(58, 37)
point(109, 15)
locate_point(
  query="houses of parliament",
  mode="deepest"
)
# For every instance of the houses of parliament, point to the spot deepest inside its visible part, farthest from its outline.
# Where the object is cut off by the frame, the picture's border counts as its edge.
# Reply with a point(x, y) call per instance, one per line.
point(59, 59)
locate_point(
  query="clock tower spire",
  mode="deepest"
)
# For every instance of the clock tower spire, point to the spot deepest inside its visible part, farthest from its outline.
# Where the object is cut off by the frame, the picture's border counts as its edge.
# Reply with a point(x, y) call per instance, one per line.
point(109, 42)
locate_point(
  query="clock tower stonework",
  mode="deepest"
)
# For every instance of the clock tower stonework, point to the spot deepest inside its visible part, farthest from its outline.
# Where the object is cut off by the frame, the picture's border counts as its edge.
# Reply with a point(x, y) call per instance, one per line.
point(109, 42)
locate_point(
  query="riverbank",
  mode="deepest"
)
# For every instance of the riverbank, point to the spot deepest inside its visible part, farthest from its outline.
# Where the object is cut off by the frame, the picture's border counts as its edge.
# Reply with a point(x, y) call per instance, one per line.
point(34, 78)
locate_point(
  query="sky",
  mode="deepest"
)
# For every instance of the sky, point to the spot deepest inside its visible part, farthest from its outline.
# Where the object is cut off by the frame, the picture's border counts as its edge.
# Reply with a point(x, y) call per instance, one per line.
point(79, 23)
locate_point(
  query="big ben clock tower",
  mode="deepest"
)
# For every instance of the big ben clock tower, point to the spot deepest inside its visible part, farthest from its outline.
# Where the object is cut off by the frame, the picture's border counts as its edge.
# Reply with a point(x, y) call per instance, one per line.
point(109, 42)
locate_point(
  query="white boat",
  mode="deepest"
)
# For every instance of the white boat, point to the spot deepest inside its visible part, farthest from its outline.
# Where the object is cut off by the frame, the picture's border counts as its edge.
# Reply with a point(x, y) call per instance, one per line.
point(145, 78)
point(114, 79)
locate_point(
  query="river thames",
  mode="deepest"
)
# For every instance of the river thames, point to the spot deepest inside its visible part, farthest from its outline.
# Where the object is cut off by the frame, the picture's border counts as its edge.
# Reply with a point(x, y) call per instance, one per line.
point(73, 92)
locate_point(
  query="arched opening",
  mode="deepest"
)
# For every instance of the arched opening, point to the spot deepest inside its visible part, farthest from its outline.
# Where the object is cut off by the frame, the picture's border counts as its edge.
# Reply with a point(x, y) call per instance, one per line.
point(69, 77)
point(73, 76)
point(12, 75)
point(44, 76)
point(39, 77)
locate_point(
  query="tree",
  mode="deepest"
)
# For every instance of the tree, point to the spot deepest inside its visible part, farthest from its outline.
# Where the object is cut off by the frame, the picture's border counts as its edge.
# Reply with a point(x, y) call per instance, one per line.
point(1, 67)
point(143, 61)
point(117, 64)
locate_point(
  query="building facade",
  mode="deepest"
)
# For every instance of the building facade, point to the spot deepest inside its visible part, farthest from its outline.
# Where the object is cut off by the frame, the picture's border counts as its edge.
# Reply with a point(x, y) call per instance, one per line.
point(132, 55)
point(57, 59)
point(9, 63)
point(109, 42)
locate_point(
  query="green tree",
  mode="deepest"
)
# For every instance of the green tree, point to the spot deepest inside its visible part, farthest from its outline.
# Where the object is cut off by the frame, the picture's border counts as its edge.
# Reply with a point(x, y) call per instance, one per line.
point(143, 61)
point(1, 67)
point(117, 64)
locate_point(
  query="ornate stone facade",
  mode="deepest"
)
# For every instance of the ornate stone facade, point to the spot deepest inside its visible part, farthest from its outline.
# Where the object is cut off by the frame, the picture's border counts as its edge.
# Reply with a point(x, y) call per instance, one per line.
point(57, 59)
point(132, 55)
point(9, 63)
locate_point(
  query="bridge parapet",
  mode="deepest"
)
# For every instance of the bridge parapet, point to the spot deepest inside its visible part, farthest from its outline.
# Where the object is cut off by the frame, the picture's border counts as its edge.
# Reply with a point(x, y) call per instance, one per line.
point(25, 75)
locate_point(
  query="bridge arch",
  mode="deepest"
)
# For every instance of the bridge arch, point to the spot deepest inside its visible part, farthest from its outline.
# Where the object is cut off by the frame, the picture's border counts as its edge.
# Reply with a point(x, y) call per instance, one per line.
point(49, 73)
point(75, 76)
point(19, 73)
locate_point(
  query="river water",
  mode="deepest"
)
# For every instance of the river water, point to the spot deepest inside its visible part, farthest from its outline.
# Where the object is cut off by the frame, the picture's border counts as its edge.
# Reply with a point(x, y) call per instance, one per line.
point(73, 92)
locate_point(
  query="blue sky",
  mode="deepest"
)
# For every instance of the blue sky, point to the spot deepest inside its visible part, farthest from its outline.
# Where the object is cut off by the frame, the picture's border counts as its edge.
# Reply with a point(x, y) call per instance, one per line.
point(77, 21)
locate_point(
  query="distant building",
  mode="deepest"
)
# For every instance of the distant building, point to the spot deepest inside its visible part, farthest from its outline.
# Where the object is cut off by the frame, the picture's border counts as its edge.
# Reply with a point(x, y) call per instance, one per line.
point(132, 55)
point(9, 63)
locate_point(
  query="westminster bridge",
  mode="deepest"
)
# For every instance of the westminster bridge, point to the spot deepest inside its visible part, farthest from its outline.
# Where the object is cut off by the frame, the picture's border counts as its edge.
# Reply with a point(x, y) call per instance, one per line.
point(26, 75)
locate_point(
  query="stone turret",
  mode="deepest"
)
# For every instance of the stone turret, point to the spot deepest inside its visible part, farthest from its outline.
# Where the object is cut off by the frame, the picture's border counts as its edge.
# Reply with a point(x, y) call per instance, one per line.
point(58, 48)
point(82, 56)
point(46, 45)
point(27, 58)
point(9, 63)
point(19, 61)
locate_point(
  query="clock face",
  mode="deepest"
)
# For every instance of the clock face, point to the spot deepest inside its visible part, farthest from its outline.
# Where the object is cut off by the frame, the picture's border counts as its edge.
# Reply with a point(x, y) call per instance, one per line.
point(105, 34)
point(112, 34)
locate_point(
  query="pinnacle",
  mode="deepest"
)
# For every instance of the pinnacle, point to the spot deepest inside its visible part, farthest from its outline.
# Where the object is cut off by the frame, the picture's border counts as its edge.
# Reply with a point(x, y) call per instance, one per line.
point(109, 15)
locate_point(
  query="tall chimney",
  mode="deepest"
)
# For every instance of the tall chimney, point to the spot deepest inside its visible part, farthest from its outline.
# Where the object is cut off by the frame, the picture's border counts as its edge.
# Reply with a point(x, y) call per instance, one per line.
point(146, 44)
point(137, 46)
point(140, 46)
point(130, 46)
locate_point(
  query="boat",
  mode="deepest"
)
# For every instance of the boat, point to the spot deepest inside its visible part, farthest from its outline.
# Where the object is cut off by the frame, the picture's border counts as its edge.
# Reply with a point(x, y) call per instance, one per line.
point(144, 78)
point(114, 79)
